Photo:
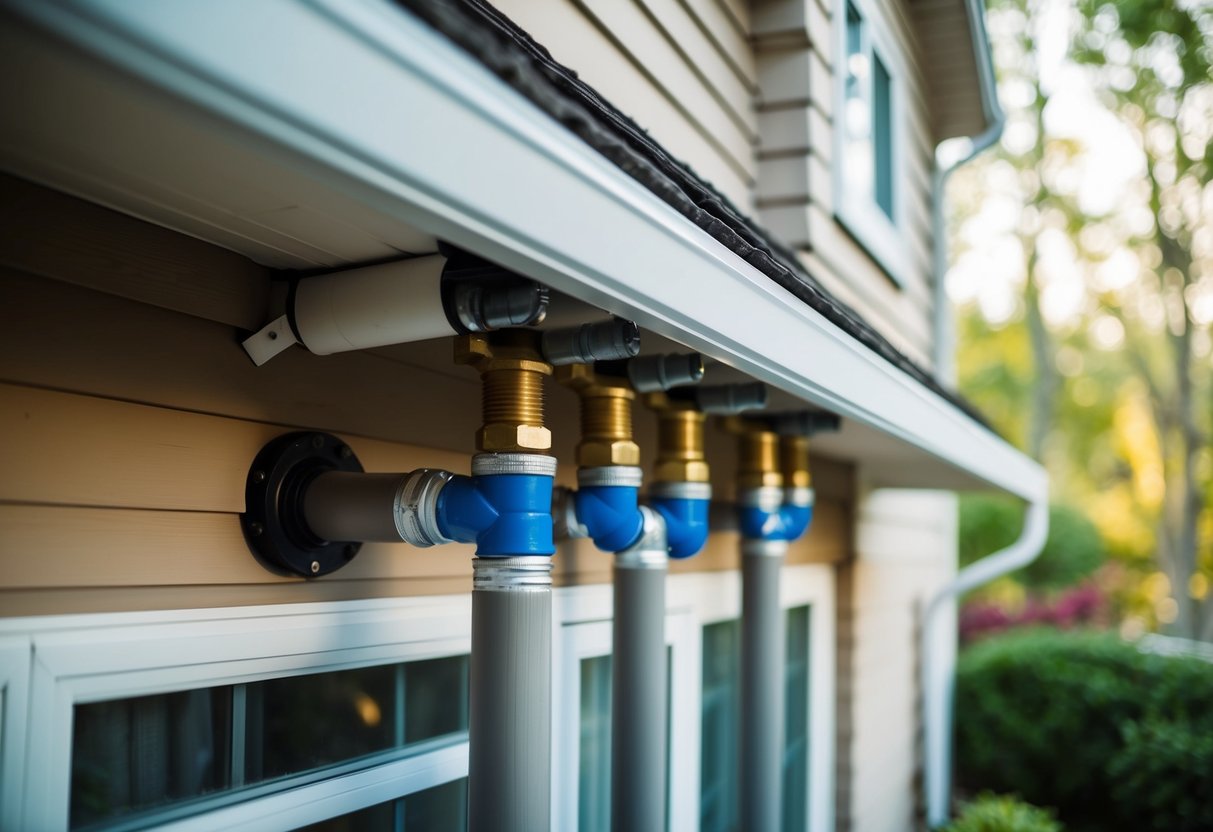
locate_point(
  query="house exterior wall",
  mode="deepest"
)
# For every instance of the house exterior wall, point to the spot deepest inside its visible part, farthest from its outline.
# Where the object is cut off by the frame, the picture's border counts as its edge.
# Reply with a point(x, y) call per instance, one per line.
point(131, 427)
point(132, 414)
point(745, 95)
point(666, 64)
point(683, 70)
point(795, 44)
point(905, 551)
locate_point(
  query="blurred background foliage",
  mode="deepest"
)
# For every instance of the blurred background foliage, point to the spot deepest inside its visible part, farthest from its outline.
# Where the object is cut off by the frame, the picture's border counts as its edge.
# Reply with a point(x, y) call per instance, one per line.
point(1082, 279)
point(1083, 283)
point(1108, 736)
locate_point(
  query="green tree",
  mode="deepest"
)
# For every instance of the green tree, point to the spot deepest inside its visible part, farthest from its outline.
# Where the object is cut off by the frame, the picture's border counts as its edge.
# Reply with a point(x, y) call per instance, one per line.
point(1152, 61)
point(1114, 395)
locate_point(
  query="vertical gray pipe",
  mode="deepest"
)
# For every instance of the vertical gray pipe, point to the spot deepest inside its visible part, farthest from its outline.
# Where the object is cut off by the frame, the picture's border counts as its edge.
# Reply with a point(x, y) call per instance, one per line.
point(510, 765)
point(639, 698)
point(763, 635)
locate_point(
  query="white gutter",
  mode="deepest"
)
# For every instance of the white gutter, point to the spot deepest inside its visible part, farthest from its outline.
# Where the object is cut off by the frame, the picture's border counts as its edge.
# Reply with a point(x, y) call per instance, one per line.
point(364, 99)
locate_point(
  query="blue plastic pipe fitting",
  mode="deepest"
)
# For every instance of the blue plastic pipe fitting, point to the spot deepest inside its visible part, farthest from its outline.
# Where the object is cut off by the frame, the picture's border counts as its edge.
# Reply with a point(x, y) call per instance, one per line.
point(684, 507)
point(607, 504)
point(611, 515)
point(505, 514)
point(767, 514)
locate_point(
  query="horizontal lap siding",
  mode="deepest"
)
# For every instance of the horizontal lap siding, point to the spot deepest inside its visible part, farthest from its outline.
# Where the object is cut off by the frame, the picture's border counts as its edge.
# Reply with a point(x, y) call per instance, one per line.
point(681, 68)
point(794, 50)
point(130, 427)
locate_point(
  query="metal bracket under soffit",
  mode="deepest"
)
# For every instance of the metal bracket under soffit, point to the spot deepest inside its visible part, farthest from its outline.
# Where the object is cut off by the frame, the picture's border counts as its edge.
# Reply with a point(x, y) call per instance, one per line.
point(273, 520)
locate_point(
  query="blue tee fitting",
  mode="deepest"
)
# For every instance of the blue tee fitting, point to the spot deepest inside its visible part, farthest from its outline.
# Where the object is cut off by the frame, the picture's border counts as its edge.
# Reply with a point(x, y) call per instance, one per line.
point(684, 507)
point(505, 515)
point(611, 515)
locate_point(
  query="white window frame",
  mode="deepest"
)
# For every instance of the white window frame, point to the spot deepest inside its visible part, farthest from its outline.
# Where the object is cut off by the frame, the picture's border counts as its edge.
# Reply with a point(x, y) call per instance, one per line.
point(14, 705)
point(582, 617)
point(883, 237)
point(582, 624)
point(712, 597)
point(88, 658)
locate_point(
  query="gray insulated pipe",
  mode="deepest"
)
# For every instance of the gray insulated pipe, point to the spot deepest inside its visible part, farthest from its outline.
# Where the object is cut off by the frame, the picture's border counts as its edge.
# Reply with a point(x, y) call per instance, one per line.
point(639, 678)
point(763, 647)
point(510, 730)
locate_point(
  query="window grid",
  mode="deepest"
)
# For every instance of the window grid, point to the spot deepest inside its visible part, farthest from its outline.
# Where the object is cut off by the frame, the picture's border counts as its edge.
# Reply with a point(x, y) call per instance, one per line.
point(867, 135)
point(332, 720)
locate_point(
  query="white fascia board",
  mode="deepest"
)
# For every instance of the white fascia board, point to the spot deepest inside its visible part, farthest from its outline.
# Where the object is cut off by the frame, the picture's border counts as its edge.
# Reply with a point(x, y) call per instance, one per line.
point(363, 97)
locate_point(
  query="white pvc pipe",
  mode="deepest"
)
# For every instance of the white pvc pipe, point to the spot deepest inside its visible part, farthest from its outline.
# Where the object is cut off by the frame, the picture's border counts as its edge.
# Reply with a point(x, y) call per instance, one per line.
point(939, 648)
point(392, 303)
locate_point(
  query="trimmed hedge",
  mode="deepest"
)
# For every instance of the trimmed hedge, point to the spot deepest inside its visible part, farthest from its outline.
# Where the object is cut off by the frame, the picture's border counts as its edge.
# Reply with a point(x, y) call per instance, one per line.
point(996, 813)
point(1085, 723)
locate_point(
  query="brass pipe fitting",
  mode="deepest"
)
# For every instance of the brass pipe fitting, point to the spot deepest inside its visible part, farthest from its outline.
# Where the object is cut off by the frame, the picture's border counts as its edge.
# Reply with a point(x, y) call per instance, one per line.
point(758, 453)
point(680, 456)
point(606, 416)
point(511, 369)
point(794, 461)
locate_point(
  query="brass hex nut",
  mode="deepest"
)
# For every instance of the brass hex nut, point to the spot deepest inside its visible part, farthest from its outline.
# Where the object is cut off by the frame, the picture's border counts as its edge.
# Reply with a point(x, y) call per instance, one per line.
point(501, 437)
point(682, 470)
point(593, 453)
point(759, 479)
point(476, 351)
point(574, 375)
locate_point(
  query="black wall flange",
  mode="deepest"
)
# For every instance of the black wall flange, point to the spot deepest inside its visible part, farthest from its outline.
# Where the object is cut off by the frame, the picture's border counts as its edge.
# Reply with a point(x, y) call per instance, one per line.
point(273, 520)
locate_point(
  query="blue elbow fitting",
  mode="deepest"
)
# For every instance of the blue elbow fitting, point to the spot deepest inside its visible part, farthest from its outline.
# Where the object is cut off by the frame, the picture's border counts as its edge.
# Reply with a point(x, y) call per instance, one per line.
point(685, 520)
point(760, 519)
point(758, 523)
point(796, 520)
point(611, 515)
point(506, 515)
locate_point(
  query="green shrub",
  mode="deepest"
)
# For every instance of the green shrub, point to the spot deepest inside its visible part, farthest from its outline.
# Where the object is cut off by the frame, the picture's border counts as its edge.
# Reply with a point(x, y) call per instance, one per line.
point(999, 813)
point(1073, 550)
point(1109, 737)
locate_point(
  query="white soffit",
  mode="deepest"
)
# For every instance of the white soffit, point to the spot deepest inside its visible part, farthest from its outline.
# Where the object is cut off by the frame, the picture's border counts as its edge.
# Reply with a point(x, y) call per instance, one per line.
point(364, 99)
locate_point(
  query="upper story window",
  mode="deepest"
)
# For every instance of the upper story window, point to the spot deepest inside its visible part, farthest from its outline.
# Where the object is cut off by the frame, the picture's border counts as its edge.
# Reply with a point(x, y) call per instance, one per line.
point(868, 136)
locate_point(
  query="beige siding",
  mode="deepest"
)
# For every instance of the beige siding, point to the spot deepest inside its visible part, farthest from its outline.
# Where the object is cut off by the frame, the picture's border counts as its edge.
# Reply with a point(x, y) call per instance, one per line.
point(681, 68)
point(906, 550)
point(794, 43)
point(131, 415)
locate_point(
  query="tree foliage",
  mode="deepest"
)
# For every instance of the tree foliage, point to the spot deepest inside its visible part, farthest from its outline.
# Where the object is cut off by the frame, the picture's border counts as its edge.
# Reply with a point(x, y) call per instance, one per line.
point(1114, 392)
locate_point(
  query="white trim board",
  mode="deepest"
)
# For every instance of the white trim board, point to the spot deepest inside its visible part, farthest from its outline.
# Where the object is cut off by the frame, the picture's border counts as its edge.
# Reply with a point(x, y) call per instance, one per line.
point(367, 102)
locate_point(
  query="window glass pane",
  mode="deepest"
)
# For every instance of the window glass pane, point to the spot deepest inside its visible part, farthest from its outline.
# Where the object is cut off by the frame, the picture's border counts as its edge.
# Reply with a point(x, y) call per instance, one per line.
point(305, 722)
point(796, 722)
point(718, 795)
point(437, 809)
point(148, 751)
point(858, 164)
point(594, 772)
point(435, 698)
point(882, 135)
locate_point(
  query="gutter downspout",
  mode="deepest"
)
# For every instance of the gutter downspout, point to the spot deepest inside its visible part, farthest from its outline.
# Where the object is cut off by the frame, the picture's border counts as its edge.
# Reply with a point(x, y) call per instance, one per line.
point(938, 677)
point(944, 353)
point(938, 666)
